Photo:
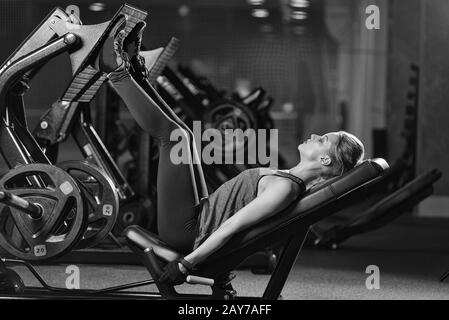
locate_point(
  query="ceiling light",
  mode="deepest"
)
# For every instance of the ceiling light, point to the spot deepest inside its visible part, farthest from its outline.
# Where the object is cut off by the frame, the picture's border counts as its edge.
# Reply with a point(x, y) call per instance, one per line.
point(183, 10)
point(260, 13)
point(299, 15)
point(97, 6)
point(299, 3)
point(256, 2)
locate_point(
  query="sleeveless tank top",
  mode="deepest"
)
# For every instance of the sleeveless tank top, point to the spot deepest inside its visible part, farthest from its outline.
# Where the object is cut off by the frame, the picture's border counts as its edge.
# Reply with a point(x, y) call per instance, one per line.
point(230, 197)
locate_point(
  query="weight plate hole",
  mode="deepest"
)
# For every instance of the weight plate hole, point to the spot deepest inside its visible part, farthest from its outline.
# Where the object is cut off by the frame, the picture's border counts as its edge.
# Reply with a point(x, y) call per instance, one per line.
point(128, 217)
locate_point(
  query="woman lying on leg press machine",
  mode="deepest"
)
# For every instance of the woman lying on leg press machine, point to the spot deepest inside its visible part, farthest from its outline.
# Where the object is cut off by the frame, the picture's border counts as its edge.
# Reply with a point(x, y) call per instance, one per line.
point(189, 219)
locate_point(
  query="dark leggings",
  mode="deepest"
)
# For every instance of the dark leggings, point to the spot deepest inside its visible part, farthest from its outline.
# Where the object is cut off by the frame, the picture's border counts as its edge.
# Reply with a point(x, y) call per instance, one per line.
point(180, 187)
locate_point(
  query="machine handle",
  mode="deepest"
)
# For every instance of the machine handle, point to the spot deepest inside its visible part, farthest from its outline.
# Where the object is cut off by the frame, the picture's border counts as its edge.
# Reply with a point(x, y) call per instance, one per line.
point(200, 280)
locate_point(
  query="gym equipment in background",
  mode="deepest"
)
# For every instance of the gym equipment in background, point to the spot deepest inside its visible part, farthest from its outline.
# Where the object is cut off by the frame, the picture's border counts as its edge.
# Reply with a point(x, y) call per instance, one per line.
point(18, 147)
point(45, 222)
point(57, 124)
point(21, 151)
point(135, 207)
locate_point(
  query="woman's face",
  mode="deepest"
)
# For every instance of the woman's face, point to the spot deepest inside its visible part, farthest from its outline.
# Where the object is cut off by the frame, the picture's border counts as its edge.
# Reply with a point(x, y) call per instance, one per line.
point(317, 147)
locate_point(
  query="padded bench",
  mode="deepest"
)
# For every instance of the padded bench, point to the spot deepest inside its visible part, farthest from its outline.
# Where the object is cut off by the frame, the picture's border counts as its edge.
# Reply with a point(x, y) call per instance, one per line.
point(289, 226)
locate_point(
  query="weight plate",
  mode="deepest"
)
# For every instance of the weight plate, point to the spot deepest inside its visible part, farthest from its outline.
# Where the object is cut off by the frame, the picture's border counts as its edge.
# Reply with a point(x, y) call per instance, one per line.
point(101, 198)
point(230, 115)
point(63, 218)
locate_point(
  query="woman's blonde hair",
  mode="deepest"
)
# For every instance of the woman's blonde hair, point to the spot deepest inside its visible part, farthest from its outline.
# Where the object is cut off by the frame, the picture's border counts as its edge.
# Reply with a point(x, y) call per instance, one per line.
point(345, 155)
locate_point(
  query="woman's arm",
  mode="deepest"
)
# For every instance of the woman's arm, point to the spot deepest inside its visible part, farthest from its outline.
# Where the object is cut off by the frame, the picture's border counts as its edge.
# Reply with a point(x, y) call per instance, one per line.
point(276, 197)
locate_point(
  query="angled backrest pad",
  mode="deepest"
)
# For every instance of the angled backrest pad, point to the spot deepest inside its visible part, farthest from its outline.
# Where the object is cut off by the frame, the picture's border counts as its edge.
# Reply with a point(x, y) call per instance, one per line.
point(313, 206)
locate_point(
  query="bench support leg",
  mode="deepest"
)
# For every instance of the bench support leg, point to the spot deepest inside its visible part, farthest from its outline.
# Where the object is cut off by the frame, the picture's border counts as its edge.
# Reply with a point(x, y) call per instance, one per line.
point(285, 264)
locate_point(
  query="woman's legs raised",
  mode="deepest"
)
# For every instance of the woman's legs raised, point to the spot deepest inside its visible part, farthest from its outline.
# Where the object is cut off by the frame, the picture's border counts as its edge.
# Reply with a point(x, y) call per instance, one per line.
point(199, 175)
point(179, 195)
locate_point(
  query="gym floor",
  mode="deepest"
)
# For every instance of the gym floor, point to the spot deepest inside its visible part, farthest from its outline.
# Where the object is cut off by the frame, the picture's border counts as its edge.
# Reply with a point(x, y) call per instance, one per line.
point(411, 255)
